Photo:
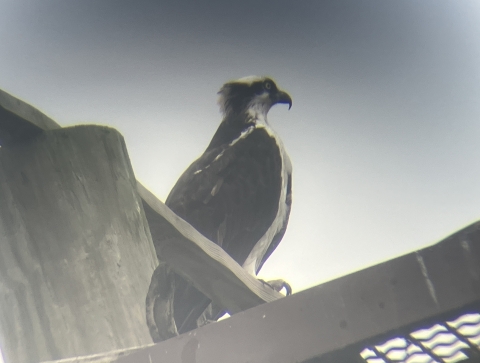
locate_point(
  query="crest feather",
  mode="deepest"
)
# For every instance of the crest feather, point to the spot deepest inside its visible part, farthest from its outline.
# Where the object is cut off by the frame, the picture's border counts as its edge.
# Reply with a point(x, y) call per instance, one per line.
point(231, 91)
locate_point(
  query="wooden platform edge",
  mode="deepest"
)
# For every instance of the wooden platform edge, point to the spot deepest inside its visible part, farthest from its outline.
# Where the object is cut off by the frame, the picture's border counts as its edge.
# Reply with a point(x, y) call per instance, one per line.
point(403, 293)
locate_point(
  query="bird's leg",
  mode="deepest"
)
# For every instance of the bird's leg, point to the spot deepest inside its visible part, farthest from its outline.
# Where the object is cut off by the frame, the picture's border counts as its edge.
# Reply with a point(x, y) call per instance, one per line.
point(202, 321)
point(207, 317)
point(279, 285)
point(211, 315)
point(159, 304)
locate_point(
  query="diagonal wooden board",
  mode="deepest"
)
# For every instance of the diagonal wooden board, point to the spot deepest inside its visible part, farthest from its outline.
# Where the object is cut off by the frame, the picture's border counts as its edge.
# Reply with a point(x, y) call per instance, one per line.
point(188, 252)
point(177, 242)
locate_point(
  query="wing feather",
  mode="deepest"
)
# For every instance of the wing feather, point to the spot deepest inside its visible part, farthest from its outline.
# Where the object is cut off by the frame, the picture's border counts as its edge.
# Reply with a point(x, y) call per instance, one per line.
point(230, 195)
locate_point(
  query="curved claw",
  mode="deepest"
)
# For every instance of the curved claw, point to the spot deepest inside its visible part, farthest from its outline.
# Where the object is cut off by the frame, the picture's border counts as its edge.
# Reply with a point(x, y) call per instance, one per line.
point(278, 285)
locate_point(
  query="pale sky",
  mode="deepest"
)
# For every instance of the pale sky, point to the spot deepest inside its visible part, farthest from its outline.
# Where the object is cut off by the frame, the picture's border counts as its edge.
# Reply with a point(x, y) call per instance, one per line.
point(383, 133)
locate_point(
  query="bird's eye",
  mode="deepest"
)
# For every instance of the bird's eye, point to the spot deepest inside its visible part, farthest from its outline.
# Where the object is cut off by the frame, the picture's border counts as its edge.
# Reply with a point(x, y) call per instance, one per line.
point(267, 85)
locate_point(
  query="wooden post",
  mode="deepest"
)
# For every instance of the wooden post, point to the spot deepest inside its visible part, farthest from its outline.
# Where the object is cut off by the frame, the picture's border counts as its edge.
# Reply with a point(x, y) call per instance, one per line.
point(76, 254)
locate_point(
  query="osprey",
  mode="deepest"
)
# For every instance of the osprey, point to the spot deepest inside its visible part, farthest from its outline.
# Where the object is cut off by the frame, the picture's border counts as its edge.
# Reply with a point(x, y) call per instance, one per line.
point(238, 193)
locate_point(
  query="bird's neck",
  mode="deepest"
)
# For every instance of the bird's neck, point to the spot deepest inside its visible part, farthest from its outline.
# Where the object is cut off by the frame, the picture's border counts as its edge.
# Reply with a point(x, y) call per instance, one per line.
point(257, 111)
point(233, 125)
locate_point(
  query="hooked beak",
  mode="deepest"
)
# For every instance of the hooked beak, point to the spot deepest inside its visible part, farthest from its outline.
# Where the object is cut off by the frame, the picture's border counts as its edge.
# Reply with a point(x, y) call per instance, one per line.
point(283, 97)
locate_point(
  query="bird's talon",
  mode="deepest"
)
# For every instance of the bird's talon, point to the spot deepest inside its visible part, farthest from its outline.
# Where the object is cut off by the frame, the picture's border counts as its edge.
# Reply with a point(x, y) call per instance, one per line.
point(206, 322)
point(279, 285)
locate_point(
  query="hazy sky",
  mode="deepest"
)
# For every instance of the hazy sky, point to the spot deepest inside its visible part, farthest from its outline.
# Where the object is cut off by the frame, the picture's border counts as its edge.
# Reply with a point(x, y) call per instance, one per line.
point(383, 133)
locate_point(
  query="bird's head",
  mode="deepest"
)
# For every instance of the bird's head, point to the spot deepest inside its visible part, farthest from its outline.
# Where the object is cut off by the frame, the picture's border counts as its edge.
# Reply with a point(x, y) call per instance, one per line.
point(252, 95)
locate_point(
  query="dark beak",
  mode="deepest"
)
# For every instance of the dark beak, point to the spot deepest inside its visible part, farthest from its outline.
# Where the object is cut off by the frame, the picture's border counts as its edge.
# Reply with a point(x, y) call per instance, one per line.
point(283, 97)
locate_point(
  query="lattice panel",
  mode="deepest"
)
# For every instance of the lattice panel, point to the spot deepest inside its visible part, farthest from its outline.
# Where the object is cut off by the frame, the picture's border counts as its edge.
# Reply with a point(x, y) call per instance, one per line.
point(448, 342)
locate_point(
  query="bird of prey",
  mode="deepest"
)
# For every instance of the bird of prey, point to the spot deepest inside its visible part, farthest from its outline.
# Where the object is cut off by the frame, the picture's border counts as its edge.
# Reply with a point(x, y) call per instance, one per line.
point(238, 193)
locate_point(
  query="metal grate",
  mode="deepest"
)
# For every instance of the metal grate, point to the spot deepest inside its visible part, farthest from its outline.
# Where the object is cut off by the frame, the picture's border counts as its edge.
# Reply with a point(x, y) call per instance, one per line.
point(448, 342)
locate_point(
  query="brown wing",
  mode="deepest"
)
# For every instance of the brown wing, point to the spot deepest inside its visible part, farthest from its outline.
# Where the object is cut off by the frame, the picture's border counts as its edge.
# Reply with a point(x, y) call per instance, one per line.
point(278, 237)
point(232, 200)
point(230, 195)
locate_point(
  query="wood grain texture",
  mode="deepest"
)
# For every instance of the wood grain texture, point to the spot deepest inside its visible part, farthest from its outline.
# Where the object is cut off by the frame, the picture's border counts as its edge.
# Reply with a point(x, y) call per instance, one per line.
point(76, 252)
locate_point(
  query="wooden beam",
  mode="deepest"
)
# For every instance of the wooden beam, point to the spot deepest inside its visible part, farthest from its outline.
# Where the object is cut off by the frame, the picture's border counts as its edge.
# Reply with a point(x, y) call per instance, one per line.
point(308, 326)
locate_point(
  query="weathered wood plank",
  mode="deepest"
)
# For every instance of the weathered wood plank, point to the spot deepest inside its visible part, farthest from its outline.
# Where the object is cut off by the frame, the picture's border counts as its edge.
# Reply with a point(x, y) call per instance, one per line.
point(76, 255)
point(399, 293)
